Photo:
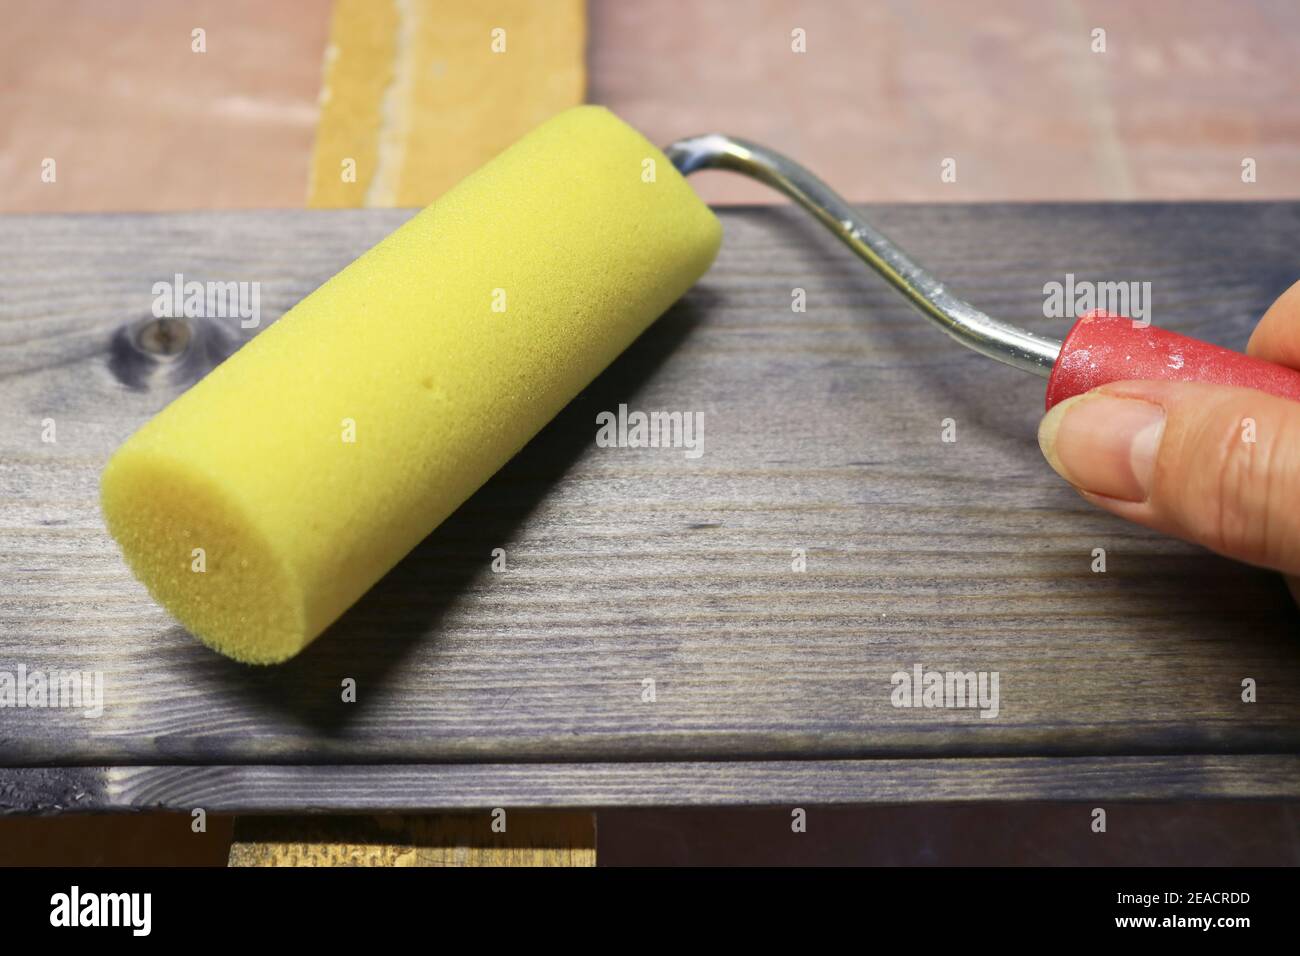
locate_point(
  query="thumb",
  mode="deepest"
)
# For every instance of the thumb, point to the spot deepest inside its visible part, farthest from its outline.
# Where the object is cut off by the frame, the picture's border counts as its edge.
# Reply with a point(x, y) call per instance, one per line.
point(1216, 465)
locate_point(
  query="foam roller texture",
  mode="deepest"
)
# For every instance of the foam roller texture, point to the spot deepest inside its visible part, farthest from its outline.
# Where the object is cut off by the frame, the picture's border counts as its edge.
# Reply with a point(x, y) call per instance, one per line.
point(252, 464)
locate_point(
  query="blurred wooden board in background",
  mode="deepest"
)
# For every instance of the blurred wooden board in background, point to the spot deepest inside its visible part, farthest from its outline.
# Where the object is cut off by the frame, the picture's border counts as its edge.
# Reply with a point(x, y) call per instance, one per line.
point(136, 120)
point(1009, 88)
point(419, 94)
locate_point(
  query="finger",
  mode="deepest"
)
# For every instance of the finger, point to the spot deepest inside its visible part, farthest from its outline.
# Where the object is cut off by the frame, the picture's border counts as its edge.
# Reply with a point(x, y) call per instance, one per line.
point(1277, 337)
point(1216, 465)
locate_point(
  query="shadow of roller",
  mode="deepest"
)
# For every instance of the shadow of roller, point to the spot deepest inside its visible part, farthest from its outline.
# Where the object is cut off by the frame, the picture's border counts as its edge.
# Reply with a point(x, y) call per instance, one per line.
point(406, 607)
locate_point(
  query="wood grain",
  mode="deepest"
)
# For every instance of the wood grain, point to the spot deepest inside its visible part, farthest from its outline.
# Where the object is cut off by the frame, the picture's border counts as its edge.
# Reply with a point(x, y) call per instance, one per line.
point(822, 432)
point(482, 787)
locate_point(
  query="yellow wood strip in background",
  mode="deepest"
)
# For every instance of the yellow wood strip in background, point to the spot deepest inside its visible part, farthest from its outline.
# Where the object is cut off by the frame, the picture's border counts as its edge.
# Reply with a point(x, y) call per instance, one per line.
point(358, 69)
point(532, 838)
point(419, 93)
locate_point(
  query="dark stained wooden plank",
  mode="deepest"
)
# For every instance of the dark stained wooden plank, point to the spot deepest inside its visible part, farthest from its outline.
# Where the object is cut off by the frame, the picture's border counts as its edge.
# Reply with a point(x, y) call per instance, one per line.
point(822, 432)
point(51, 790)
point(482, 787)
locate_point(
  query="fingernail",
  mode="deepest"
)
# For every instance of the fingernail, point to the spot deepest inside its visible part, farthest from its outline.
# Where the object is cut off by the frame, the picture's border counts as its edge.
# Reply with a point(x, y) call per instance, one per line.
point(1103, 444)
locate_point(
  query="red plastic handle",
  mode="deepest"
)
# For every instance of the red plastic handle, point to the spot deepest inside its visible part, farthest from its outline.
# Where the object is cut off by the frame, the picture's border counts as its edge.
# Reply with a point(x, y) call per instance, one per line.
point(1105, 348)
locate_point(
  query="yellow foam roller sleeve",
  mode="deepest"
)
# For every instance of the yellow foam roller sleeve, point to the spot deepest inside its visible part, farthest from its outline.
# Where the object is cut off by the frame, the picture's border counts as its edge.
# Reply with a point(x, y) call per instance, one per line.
point(263, 502)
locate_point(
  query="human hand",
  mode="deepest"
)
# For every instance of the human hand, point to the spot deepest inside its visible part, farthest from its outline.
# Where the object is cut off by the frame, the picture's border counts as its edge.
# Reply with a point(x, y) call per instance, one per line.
point(1212, 464)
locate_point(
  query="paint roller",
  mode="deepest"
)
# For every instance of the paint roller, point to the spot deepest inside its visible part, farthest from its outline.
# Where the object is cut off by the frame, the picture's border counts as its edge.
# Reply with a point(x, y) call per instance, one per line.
point(262, 503)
